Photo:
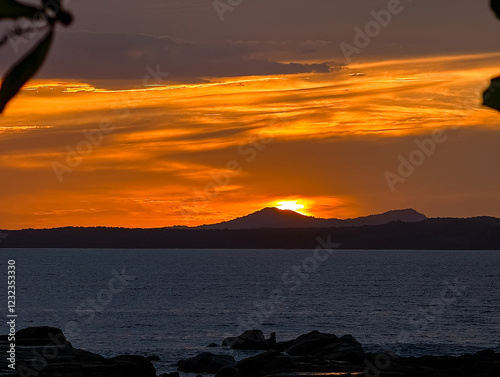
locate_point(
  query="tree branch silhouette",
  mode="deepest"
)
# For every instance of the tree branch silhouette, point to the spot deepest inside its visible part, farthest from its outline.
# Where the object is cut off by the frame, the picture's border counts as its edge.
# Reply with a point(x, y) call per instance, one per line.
point(51, 11)
point(491, 96)
point(42, 18)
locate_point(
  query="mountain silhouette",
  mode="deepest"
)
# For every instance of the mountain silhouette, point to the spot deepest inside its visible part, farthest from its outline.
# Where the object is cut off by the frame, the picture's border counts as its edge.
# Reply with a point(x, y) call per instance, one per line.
point(271, 217)
point(479, 233)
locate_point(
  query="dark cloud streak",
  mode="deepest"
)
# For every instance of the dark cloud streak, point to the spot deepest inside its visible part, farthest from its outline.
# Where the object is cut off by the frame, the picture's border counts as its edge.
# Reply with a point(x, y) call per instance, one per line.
point(86, 55)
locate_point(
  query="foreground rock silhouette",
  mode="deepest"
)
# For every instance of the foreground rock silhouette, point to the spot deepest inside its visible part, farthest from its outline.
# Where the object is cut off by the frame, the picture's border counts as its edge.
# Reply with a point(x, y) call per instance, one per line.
point(205, 362)
point(251, 340)
point(319, 354)
point(45, 351)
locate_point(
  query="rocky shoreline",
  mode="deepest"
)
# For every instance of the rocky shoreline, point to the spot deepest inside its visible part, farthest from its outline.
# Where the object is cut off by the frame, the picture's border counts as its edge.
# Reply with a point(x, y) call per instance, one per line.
point(45, 352)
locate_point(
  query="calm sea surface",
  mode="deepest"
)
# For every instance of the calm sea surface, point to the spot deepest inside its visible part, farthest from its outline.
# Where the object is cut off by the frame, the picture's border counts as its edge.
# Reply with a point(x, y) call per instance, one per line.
point(172, 303)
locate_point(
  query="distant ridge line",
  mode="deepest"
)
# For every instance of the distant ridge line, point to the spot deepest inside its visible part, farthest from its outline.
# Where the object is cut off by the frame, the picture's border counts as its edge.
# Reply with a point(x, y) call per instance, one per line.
point(479, 233)
point(271, 217)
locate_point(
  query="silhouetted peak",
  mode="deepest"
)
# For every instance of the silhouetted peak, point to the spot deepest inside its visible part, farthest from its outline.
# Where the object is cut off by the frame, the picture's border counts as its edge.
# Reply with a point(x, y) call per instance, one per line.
point(278, 212)
point(272, 217)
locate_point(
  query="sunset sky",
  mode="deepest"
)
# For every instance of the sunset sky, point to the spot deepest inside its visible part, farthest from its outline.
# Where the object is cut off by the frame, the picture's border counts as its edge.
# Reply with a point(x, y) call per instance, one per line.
point(166, 112)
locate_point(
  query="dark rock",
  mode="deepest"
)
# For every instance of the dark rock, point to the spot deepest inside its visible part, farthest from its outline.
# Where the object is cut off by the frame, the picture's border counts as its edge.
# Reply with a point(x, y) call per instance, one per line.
point(45, 352)
point(485, 354)
point(325, 346)
point(212, 345)
point(228, 372)
point(205, 362)
point(313, 353)
point(249, 340)
point(309, 344)
point(41, 336)
point(270, 362)
point(173, 374)
point(348, 338)
point(153, 358)
point(132, 365)
point(271, 342)
point(228, 341)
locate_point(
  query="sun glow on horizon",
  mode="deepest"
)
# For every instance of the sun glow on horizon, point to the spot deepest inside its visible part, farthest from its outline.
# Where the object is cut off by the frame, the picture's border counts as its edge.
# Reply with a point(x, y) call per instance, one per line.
point(157, 167)
point(292, 205)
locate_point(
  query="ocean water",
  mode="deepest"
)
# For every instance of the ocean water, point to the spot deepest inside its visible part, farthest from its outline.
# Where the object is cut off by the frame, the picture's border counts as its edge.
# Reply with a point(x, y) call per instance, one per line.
point(172, 303)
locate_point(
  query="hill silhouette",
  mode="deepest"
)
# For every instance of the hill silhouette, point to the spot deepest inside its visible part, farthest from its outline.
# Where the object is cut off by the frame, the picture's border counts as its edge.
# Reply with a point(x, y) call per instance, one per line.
point(271, 217)
point(479, 233)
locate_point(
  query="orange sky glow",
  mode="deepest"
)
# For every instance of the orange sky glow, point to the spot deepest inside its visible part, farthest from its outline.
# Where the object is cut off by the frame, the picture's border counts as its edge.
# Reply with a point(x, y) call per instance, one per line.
point(80, 154)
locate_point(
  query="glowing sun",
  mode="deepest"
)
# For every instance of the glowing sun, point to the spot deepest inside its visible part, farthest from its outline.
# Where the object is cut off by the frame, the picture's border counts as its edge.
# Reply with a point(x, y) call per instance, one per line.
point(292, 205)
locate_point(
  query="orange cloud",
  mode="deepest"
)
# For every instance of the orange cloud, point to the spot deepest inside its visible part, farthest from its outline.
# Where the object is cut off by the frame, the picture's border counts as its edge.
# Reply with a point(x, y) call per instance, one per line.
point(168, 142)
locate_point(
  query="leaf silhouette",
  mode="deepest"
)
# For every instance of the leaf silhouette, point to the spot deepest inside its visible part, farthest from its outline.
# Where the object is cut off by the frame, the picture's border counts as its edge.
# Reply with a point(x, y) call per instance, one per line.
point(60, 15)
point(24, 70)
point(13, 9)
point(491, 96)
point(495, 5)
